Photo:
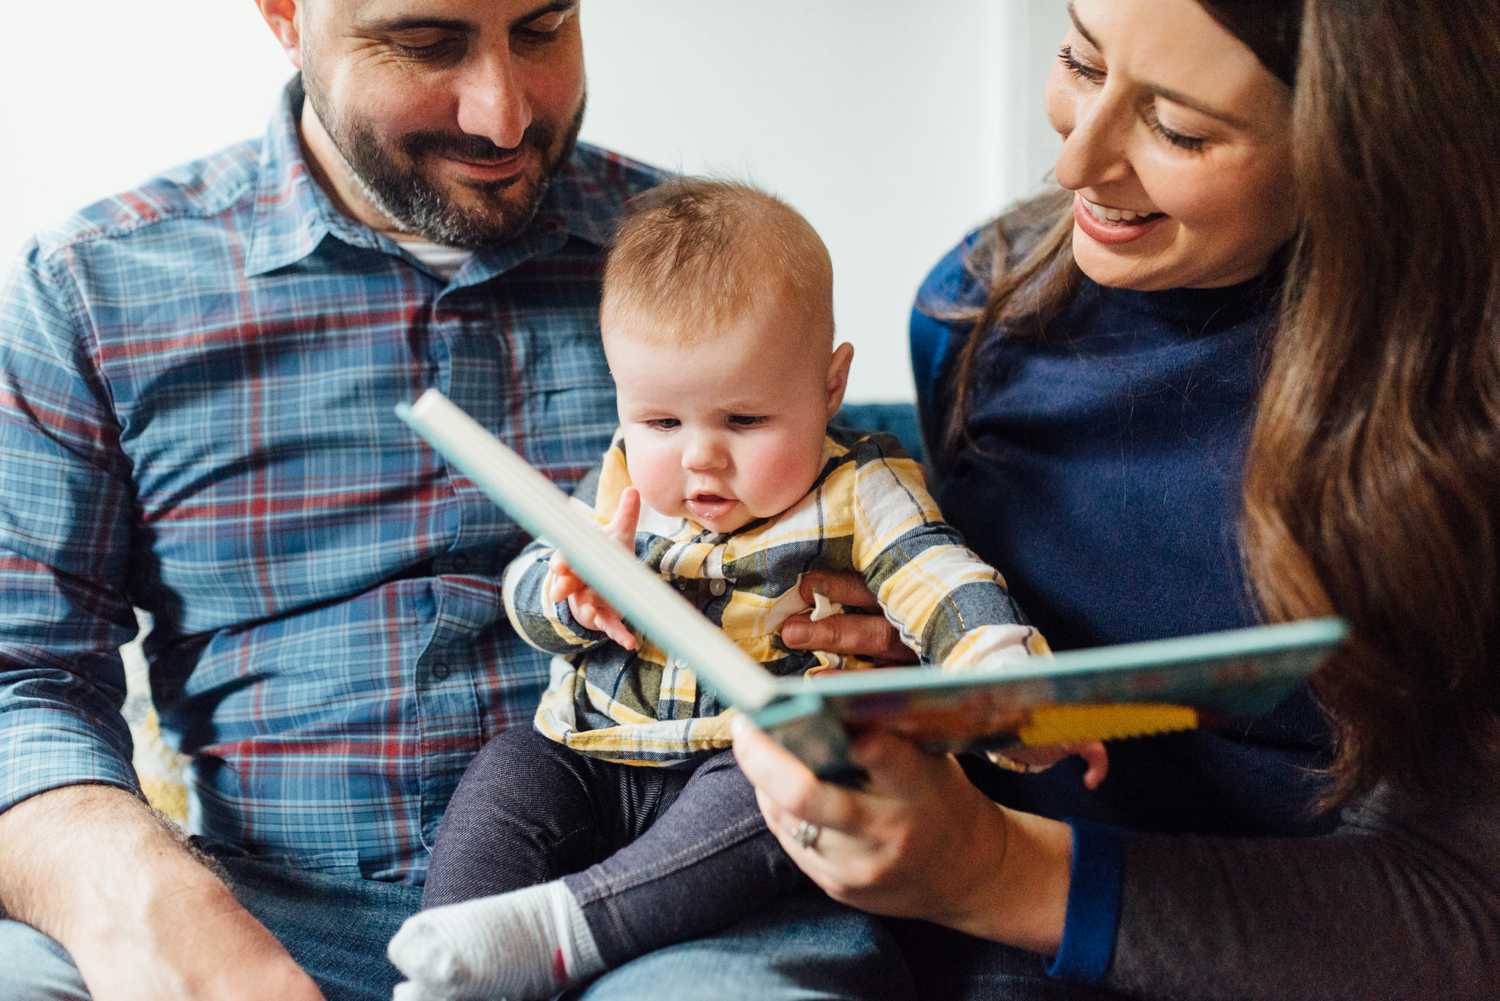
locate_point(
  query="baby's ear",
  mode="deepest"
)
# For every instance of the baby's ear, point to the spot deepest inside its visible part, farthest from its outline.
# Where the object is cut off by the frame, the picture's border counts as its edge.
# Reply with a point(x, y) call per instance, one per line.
point(838, 376)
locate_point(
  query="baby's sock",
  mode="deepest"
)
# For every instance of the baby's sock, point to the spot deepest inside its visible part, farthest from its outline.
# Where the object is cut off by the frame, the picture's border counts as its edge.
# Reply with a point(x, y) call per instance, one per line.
point(414, 990)
point(520, 945)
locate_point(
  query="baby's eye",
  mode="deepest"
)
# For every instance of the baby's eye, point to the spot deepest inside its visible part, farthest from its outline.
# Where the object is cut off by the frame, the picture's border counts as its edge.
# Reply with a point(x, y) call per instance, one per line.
point(746, 420)
point(663, 423)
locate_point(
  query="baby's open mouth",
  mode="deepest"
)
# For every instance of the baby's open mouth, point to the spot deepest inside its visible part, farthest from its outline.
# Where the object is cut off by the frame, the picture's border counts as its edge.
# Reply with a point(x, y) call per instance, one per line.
point(709, 506)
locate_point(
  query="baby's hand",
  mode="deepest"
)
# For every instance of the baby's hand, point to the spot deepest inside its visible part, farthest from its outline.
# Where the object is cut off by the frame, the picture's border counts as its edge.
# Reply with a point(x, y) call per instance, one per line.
point(1039, 759)
point(587, 605)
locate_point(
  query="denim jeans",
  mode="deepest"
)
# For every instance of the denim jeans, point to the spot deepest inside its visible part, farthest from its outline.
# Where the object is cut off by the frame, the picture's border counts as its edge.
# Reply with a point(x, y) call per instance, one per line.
point(653, 856)
point(799, 949)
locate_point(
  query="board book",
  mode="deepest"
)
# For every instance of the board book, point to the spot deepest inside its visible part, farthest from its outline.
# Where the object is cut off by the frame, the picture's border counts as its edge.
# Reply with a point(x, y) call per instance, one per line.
point(1104, 693)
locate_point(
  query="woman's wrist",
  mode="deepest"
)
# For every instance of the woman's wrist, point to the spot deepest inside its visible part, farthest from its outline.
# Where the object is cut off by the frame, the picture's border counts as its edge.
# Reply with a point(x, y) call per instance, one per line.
point(1019, 891)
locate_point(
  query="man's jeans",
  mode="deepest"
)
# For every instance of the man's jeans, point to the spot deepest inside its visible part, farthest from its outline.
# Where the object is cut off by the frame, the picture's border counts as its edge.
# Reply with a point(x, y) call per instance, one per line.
point(337, 928)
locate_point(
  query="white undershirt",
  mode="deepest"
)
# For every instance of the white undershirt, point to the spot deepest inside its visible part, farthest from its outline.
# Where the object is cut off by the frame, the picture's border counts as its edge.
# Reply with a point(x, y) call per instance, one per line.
point(441, 258)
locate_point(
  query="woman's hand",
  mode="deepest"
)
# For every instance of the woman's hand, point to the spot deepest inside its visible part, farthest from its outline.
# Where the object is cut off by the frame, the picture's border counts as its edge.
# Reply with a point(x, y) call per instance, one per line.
point(1038, 759)
point(917, 841)
point(588, 606)
point(862, 634)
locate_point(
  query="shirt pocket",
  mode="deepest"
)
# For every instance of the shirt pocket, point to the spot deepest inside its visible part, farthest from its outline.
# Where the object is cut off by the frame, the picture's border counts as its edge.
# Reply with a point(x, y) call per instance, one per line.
point(569, 427)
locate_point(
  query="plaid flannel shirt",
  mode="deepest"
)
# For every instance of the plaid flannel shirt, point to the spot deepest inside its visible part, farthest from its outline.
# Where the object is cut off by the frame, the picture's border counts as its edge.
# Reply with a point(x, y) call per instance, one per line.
point(196, 388)
point(869, 511)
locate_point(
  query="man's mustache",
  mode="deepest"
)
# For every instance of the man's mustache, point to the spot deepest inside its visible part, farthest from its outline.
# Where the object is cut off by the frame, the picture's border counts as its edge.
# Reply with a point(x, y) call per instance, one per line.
point(475, 149)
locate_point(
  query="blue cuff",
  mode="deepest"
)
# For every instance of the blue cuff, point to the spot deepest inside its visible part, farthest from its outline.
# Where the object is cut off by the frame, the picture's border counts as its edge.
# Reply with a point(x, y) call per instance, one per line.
point(1093, 916)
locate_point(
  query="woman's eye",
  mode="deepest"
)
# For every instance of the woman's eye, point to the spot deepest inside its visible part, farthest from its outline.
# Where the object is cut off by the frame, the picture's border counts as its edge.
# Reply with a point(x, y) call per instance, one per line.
point(1193, 144)
point(1077, 67)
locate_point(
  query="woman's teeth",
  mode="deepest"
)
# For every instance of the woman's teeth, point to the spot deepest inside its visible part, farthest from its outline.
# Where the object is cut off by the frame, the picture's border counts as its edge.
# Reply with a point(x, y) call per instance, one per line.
point(1104, 214)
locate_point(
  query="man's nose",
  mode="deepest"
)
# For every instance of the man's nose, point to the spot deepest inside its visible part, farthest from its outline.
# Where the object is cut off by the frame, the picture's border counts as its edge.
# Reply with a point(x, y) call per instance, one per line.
point(1095, 151)
point(492, 102)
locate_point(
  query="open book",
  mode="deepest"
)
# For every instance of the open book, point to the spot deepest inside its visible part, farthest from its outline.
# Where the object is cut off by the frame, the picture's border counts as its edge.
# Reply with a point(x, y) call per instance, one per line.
point(1102, 693)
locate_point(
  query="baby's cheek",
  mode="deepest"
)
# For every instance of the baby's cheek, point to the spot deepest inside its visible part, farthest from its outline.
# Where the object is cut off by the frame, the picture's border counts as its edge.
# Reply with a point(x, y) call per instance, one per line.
point(655, 476)
point(782, 473)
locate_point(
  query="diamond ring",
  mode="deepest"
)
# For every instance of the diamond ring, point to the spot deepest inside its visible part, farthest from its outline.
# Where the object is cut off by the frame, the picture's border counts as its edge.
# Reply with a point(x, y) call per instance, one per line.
point(806, 834)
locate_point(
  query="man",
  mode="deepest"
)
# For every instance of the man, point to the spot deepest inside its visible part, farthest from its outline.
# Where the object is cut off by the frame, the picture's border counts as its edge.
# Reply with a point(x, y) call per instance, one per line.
point(196, 385)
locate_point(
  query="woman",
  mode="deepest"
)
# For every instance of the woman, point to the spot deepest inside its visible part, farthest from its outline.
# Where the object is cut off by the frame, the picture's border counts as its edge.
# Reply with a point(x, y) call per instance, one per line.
point(1138, 326)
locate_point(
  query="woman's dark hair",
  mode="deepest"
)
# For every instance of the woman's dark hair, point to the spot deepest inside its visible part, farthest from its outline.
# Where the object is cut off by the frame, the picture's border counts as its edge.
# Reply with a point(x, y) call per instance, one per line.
point(1270, 30)
point(1373, 480)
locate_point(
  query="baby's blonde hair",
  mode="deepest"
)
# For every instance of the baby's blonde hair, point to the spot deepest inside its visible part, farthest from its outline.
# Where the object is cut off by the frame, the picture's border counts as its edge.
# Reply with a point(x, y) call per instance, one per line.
point(694, 252)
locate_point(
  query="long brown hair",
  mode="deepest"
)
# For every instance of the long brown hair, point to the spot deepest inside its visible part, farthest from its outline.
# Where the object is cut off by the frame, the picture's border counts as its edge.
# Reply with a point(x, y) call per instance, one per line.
point(1373, 483)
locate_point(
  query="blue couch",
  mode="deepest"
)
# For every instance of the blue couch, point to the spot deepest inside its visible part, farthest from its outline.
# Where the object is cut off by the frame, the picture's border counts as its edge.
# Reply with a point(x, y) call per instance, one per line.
point(899, 419)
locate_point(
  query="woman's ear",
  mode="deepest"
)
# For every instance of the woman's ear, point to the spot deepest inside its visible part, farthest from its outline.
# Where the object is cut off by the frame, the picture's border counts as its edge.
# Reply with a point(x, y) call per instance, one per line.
point(838, 376)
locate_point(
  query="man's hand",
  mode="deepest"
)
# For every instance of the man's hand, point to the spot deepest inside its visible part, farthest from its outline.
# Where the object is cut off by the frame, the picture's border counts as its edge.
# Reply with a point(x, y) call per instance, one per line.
point(863, 633)
point(587, 605)
point(140, 916)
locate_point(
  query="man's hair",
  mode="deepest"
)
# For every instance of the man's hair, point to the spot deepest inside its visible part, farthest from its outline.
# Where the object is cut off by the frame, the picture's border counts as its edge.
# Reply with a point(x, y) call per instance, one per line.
point(693, 253)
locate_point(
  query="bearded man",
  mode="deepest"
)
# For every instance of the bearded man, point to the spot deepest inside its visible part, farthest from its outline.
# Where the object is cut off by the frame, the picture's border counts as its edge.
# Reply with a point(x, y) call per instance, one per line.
point(196, 388)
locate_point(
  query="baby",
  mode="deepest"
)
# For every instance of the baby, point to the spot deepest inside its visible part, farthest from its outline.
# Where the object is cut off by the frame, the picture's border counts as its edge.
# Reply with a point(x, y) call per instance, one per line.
point(620, 823)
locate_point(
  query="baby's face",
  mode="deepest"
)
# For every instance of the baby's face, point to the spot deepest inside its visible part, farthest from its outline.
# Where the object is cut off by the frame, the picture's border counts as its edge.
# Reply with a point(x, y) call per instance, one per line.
point(728, 429)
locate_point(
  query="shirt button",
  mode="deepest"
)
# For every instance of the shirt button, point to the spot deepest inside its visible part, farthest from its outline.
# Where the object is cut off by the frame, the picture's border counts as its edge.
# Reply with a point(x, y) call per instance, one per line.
point(440, 671)
point(717, 587)
point(460, 563)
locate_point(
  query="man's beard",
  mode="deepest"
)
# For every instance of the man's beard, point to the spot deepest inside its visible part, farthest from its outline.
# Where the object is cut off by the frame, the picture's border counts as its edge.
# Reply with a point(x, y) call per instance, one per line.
point(419, 206)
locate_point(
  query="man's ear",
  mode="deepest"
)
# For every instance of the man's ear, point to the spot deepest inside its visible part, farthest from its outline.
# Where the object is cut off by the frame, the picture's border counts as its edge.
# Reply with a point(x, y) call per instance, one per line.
point(838, 376)
point(283, 16)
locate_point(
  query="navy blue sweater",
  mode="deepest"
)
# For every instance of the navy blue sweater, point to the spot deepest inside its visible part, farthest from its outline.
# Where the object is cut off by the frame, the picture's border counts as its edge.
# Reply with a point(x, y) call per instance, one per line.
point(1103, 481)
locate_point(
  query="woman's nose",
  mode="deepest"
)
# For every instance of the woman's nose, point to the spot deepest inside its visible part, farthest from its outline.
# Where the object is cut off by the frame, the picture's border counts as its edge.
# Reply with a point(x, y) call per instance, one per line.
point(1095, 149)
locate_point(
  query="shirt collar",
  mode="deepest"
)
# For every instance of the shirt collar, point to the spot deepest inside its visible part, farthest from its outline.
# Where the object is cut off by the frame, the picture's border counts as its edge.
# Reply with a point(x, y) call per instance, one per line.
point(293, 214)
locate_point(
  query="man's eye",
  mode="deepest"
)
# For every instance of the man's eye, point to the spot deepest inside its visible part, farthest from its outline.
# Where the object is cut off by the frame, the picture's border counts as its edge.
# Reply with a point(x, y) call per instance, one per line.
point(544, 28)
point(427, 52)
point(746, 420)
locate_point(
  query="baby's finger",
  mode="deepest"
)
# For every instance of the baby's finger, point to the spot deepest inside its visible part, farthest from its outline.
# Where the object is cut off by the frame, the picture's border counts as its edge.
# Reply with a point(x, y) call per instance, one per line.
point(585, 611)
point(627, 515)
point(565, 586)
point(611, 625)
point(565, 583)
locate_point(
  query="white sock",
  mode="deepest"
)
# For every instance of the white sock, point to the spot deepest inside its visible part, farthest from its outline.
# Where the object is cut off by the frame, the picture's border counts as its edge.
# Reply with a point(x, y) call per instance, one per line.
point(413, 990)
point(522, 945)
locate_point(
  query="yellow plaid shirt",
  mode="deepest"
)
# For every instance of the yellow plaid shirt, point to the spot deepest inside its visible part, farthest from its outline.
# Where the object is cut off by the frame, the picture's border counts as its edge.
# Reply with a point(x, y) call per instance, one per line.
point(869, 512)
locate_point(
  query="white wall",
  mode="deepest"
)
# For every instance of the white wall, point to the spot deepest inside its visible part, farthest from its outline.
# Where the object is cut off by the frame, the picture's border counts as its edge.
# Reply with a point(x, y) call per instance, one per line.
point(894, 125)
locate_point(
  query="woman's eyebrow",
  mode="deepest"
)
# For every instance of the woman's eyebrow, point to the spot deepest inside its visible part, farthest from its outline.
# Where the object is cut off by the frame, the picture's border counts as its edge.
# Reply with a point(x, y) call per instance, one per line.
point(1078, 25)
point(1175, 96)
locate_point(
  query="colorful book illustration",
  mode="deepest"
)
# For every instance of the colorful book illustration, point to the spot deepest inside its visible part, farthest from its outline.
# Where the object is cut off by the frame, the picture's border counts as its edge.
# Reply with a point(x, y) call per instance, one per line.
point(1111, 692)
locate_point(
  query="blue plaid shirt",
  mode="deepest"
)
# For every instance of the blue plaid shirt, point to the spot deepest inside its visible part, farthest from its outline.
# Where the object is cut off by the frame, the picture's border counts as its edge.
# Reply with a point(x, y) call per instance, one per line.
point(196, 388)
